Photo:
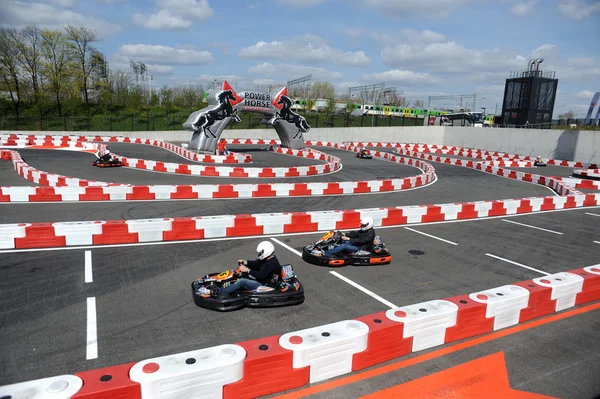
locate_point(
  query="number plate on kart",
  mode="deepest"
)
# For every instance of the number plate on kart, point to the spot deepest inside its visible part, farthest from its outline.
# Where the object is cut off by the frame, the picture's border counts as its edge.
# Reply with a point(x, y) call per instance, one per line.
point(287, 272)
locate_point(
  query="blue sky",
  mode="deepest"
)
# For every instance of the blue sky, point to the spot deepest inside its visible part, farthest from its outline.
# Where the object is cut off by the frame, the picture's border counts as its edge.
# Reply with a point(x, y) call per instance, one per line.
point(423, 47)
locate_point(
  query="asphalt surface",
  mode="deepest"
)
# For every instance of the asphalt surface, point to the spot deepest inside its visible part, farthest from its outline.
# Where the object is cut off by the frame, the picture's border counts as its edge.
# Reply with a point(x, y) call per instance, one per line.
point(9, 177)
point(145, 308)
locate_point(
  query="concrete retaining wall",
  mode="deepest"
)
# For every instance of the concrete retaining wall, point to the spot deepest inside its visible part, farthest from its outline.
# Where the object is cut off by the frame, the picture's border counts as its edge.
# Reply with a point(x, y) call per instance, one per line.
point(570, 145)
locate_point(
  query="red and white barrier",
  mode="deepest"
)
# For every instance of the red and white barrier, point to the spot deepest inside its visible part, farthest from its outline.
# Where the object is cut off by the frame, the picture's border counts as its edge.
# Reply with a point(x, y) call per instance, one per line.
point(273, 364)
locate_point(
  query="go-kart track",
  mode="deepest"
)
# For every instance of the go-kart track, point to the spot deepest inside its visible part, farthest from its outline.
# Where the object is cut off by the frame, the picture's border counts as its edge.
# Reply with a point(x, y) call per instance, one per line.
point(475, 300)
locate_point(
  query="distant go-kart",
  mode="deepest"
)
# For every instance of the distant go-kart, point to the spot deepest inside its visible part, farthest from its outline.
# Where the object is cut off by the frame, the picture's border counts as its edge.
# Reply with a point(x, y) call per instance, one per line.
point(282, 290)
point(377, 255)
point(539, 162)
point(364, 154)
point(106, 161)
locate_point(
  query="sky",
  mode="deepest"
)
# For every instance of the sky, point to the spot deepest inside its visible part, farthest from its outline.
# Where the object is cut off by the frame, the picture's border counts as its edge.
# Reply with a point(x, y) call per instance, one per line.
point(421, 47)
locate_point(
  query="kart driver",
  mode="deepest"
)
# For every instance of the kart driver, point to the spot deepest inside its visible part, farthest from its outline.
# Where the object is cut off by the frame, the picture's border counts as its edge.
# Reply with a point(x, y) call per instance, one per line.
point(355, 240)
point(261, 271)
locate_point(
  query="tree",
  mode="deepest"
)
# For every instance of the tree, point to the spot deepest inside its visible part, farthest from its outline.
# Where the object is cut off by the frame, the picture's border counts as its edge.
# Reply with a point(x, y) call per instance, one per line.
point(567, 115)
point(397, 100)
point(322, 90)
point(166, 96)
point(29, 54)
point(81, 39)
point(418, 104)
point(331, 106)
point(55, 67)
point(9, 68)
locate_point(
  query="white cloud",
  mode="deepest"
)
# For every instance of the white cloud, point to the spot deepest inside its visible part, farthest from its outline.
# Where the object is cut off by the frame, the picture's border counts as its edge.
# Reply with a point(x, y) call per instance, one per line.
point(162, 20)
point(160, 69)
point(62, 3)
point(415, 37)
point(18, 14)
point(404, 77)
point(290, 71)
point(175, 14)
point(353, 33)
point(578, 9)
point(307, 48)
point(299, 3)
point(523, 9)
point(405, 8)
point(164, 54)
point(585, 94)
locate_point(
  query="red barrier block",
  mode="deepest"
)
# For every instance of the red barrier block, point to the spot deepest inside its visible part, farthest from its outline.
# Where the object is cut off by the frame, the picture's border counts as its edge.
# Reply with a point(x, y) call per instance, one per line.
point(433, 214)
point(94, 193)
point(184, 192)
point(268, 368)
point(45, 194)
point(140, 193)
point(312, 171)
point(540, 302)
point(292, 172)
point(110, 382)
point(590, 200)
point(591, 285)
point(266, 172)
point(333, 188)
point(6, 155)
point(225, 191)
point(301, 222)
point(40, 235)
point(183, 229)
point(570, 203)
point(183, 169)
point(244, 225)
point(350, 220)
point(264, 190)
point(384, 343)
point(387, 186)
point(468, 211)
point(238, 172)
point(362, 187)
point(160, 167)
point(548, 204)
point(300, 189)
point(115, 232)
point(471, 320)
point(395, 217)
point(525, 206)
point(497, 209)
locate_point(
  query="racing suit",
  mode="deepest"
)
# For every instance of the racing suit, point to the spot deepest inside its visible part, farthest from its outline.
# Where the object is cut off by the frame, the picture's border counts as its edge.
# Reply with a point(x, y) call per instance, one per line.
point(261, 272)
point(360, 239)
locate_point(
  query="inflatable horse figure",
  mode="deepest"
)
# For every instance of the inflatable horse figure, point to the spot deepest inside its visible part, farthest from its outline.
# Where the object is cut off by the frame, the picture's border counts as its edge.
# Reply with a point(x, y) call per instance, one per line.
point(224, 104)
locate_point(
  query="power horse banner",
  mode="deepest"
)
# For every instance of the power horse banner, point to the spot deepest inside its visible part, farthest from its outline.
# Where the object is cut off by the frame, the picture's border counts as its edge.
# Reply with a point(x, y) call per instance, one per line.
point(222, 110)
point(592, 106)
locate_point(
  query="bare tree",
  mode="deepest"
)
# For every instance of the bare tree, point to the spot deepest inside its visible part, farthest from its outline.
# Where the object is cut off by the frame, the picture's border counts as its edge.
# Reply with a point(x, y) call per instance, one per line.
point(322, 90)
point(9, 67)
point(81, 39)
point(55, 67)
point(567, 115)
point(397, 100)
point(166, 95)
point(418, 104)
point(29, 53)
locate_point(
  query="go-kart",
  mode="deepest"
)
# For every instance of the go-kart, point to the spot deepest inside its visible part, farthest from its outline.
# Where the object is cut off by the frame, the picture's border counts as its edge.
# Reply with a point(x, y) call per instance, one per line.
point(107, 164)
point(377, 254)
point(364, 154)
point(282, 290)
point(538, 162)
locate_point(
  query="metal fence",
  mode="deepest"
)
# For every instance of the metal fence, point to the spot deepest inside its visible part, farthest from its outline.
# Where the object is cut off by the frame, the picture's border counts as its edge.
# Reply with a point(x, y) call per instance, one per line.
point(147, 121)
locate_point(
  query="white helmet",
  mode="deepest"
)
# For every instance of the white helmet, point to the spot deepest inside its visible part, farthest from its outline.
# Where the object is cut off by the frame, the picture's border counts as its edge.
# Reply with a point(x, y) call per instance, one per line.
point(265, 249)
point(366, 223)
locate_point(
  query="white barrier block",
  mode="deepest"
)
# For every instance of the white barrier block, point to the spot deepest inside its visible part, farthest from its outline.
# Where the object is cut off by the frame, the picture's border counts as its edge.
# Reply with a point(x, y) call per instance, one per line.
point(347, 186)
point(504, 304)
point(252, 172)
point(150, 164)
point(326, 220)
point(511, 206)
point(59, 387)
point(414, 214)
point(214, 226)
point(280, 172)
point(19, 194)
point(426, 322)
point(205, 190)
point(245, 190)
point(8, 233)
point(149, 229)
point(483, 208)
point(171, 167)
point(317, 188)
point(196, 169)
point(536, 203)
point(273, 223)
point(78, 233)
point(327, 349)
point(565, 287)
point(451, 211)
point(375, 185)
point(196, 374)
point(117, 192)
point(282, 189)
point(162, 192)
point(378, 214)
point(69, 193)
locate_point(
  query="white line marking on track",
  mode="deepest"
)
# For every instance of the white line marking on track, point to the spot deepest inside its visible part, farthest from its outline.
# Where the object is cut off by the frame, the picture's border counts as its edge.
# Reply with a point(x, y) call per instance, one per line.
point(363, 289)
point(92, 336)
point(533, 227)
point(143, 244)
point(518, 264)
point(88, 267)
point(597, 242)
point(287, 246)
point(592, 214)
point(429, 235)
